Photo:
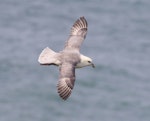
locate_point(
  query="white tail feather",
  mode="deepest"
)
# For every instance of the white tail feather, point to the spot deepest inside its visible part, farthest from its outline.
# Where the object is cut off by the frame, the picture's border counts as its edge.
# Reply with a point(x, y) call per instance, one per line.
point(48, 57)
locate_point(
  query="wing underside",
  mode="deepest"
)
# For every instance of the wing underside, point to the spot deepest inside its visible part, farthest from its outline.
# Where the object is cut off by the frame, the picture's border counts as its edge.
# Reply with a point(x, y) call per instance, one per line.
point(77, 34)
point(66, 80)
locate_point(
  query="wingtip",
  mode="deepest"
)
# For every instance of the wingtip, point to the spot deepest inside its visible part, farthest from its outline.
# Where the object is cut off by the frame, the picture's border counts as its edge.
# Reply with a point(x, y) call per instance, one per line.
point(63, 90)
point(82, 17)
point(80, 24)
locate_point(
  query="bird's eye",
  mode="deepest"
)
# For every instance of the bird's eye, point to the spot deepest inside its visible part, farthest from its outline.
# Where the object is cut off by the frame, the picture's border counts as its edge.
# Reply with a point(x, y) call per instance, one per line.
point(89, 61)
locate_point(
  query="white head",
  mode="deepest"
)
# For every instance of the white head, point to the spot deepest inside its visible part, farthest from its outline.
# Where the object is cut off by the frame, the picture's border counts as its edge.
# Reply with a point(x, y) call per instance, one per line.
point(85, 61)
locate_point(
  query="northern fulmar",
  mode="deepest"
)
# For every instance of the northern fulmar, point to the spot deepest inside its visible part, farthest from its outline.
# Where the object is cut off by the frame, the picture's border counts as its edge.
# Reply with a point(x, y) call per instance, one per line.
point(69, 58)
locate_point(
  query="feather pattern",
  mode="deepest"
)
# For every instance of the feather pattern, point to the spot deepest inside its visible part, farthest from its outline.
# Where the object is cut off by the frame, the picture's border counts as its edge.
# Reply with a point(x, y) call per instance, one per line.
point(79, 27)
point(77, 34)
point(66, 80)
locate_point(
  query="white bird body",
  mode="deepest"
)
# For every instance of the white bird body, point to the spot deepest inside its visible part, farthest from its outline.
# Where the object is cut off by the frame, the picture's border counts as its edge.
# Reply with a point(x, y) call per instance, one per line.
point(49, 57)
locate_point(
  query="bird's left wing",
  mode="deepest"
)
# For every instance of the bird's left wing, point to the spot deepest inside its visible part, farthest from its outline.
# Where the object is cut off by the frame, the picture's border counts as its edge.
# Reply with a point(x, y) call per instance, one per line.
point(78, 34)
point(66, 80)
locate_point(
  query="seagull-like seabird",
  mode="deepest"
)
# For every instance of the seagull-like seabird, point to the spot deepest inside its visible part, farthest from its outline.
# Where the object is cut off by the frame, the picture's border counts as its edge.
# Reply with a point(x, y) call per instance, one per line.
point(69, 58)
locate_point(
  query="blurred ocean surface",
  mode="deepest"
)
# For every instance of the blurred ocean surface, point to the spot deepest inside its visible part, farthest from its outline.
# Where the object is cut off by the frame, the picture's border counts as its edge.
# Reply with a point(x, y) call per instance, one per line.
point(118, 41)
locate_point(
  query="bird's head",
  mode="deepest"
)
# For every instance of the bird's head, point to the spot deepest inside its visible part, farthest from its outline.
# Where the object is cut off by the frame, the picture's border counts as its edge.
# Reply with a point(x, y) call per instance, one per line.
point(88, 62)
point(85, 61)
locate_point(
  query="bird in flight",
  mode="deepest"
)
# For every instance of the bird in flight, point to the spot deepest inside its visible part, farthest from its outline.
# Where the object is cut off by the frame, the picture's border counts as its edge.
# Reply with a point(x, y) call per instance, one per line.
point(69, 58)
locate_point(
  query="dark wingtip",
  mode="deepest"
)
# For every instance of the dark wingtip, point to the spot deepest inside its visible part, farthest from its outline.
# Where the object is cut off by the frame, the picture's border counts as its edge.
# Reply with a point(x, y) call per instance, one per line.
point(79, 27)
point(64, 91)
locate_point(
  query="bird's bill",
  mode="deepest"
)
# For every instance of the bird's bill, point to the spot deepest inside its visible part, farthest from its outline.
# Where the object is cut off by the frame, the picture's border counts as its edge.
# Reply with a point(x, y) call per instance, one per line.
point(93, 65)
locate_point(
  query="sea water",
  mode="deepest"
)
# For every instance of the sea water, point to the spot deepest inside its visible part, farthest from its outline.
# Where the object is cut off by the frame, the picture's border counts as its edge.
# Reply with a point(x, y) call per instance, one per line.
point(118, 41)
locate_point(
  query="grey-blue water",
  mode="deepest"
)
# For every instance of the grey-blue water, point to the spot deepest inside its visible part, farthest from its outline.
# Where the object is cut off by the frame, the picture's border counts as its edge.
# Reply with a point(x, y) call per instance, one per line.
point(118, 41)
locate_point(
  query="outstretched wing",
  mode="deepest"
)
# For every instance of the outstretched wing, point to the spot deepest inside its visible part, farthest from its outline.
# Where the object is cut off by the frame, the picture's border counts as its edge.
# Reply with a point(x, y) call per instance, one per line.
point(78, 34)
point(66, 80)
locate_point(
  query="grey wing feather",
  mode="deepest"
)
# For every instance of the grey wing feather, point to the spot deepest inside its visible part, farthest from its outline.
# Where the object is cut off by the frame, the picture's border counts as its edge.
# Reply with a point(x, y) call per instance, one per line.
point(78, 34)
point(66, 80)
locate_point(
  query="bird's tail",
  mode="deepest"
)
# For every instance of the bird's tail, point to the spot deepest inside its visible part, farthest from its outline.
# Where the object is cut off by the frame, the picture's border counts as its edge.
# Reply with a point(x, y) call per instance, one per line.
point(49, 57)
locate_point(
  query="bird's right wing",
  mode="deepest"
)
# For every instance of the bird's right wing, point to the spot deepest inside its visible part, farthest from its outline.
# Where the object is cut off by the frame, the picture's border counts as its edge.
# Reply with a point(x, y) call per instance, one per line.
point(77, 34)
point(66, 80)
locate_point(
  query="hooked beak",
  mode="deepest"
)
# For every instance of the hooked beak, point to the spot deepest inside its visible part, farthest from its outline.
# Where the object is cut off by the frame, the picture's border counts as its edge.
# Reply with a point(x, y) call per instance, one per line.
point(92, 64)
